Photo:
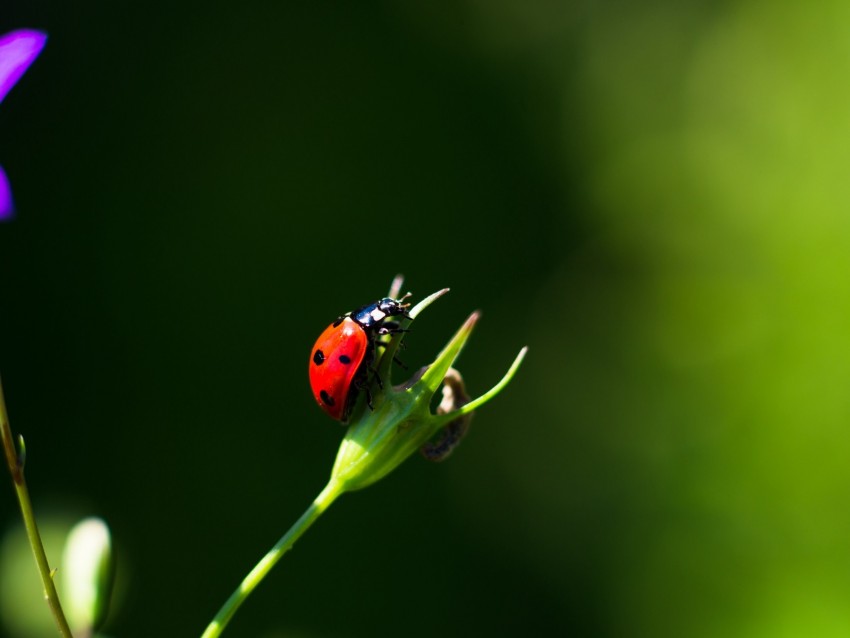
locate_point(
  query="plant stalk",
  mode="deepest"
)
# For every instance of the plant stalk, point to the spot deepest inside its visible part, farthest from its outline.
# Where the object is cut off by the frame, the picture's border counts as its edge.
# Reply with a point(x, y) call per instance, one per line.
point(16, 467)
point(256, 575)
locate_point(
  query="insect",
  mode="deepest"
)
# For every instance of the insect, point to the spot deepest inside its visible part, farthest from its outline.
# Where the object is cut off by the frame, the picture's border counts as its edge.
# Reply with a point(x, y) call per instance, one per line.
point(341, 360)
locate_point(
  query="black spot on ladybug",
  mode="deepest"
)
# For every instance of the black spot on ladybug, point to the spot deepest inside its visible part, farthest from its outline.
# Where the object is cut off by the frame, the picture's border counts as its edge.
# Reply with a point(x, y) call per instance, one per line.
point(326, 398)
point(319, 357)
point(344, 358)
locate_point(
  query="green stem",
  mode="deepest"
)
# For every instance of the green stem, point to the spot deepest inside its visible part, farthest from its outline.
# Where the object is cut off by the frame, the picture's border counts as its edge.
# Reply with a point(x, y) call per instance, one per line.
point(256, 575)
point(16, 467)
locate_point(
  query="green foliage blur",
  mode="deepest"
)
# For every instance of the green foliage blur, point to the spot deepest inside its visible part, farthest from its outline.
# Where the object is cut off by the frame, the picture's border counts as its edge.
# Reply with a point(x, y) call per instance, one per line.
point(653, 196)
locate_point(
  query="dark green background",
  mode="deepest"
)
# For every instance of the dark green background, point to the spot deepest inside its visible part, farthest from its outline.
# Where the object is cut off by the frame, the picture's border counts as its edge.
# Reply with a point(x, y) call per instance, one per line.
point(652, 196)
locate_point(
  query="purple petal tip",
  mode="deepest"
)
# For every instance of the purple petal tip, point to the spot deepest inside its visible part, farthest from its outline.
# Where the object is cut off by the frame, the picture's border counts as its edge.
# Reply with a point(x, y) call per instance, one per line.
point(6, 209)
point(18, 49)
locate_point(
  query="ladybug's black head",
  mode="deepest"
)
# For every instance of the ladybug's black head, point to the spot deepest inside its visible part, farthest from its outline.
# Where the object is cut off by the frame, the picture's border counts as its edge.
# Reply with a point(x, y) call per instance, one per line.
point(371, 316)
point(392, 307)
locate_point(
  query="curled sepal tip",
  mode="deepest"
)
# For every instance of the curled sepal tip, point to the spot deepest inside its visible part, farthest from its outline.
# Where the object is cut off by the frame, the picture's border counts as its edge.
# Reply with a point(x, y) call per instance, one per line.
point(469, 407)
point(414, 312)
point(401, 423)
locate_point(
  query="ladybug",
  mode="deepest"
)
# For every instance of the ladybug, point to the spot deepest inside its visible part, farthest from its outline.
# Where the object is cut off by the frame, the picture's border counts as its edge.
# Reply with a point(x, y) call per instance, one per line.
point(344, 352)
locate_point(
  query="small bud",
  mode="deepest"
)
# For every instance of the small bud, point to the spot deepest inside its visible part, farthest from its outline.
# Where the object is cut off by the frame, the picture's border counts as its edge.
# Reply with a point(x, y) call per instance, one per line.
point(86, 574)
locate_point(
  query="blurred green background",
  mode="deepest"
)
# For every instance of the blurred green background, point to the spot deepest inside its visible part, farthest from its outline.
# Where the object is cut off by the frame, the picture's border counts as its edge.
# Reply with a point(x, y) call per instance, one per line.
point(653, 196)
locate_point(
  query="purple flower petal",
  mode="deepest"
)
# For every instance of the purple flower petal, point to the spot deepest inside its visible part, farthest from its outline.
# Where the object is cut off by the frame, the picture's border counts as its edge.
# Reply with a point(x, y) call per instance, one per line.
point(18, 49)
point(6, 208)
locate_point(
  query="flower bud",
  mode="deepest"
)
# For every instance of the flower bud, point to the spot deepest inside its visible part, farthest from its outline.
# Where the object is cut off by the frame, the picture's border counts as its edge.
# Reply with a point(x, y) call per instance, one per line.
point(86, 574)
point(401, 422)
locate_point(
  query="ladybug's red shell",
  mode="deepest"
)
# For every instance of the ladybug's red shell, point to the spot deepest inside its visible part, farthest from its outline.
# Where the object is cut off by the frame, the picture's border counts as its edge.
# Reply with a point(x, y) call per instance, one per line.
point(345, 350)
point(336, 359)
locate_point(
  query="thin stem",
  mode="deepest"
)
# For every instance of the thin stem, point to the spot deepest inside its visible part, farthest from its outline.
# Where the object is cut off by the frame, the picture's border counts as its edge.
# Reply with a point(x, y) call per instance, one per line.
point(16, 467)
point(256, 575)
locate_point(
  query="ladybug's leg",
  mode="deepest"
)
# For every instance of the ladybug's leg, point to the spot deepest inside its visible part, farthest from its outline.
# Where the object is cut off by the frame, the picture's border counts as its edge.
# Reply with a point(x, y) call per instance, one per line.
point(381, 344)
point(377, 378)
point(368, 360)
point(391, 328)
point(363, 386)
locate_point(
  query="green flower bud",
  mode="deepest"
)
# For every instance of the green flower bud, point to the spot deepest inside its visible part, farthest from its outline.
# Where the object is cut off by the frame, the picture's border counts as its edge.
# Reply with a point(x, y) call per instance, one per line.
point(401, 422)
point(86, 574)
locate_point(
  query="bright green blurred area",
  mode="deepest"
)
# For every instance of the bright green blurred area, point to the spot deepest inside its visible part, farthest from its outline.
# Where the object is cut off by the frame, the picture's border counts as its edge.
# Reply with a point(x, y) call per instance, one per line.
point(654, 197)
